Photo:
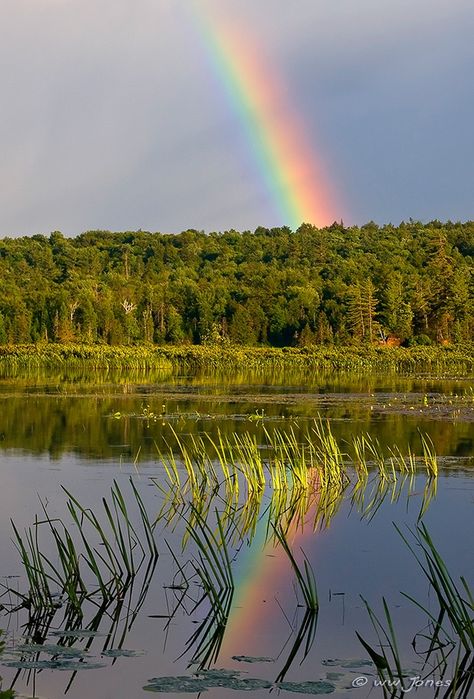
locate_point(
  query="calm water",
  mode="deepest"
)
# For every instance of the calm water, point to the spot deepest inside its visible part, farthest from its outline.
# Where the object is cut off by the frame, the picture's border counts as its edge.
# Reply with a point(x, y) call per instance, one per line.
point(82, 431)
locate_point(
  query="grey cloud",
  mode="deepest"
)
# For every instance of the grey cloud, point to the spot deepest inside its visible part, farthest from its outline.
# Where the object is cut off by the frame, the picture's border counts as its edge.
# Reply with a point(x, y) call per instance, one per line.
point(113, 117)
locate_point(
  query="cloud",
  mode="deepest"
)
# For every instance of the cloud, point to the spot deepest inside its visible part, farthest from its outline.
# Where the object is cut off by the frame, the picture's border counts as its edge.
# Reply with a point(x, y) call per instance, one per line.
point(112, 117)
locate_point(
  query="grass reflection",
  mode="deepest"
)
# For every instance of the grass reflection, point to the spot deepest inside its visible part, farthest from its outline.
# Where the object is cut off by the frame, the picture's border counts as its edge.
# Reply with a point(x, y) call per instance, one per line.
point(217, 497)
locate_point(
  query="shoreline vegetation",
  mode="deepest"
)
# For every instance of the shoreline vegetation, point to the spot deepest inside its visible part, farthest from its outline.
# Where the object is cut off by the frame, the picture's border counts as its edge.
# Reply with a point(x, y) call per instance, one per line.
point(455, 359)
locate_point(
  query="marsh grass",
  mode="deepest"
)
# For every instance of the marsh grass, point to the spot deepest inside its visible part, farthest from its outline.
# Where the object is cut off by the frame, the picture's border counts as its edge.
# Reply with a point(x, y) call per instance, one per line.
point(303, 639)
point(52, 637)
point(304, 574)
point(326, 454)
point(217, 487)
point(456, 602)
point(429, 455)
point(103, 557)
point(355, 359)
point(446, 645)
point(74, 355)
point(200, 465)
point(368, 496)
point(213, 568)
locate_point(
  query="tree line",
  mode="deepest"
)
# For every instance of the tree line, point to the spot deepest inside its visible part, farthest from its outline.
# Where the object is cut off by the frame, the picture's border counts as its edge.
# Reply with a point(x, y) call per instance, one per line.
point(409, 284)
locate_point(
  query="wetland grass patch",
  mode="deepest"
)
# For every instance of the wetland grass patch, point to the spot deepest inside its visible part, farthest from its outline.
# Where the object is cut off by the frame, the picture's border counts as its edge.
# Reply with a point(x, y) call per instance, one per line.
point(102, 558)
point(445, 646)
point(200, 464)
point(355, 358)
point(96, 562)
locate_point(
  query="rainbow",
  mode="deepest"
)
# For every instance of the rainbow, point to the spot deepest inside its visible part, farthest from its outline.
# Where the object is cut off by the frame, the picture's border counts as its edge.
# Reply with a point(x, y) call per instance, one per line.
point(259, 568)
point(294, 177)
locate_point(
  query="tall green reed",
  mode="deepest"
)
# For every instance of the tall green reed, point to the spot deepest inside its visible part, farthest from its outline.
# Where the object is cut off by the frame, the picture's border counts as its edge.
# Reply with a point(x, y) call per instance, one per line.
point(448, 636)
point(304, 575)
point(103, 556)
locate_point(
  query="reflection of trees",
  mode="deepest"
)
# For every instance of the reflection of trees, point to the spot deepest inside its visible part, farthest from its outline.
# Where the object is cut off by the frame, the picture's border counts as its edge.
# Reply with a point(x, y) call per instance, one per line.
point(46, 411)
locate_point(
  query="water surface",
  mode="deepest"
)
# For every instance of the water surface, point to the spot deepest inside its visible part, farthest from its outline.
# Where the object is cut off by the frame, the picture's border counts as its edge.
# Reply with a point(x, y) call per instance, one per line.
point(81, 431)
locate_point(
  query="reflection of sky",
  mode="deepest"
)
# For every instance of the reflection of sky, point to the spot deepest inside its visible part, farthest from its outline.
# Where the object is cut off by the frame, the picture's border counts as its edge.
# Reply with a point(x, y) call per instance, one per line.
point(112, 117)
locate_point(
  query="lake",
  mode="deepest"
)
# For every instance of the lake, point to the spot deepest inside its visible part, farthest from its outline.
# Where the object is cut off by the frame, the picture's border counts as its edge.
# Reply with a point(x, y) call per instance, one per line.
point(220, 606)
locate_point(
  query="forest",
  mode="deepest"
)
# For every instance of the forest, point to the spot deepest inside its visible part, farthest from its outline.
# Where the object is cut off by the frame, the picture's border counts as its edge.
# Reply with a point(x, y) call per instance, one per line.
point(410, 284)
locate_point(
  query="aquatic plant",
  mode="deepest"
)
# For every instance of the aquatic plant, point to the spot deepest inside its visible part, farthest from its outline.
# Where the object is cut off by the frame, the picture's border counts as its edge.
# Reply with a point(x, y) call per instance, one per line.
point(429, 455)
point(304, 638)
point(61, 637)
point(327, 455)
point(355, 359)
point(304, 576)
point(100, 355)
point(203, 465)
point(368, 496)
point(112, 565)
point(456, 605)
point(214, 571)
point(449, 634)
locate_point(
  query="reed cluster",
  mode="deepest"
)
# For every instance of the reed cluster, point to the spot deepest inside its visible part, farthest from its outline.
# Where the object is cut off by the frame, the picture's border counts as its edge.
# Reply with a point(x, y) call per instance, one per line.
point(304, 575)
point(201, 464)
point(446, 644)
point(213, 569)
point(101, 559)
point(356, 358)
point(96, 356)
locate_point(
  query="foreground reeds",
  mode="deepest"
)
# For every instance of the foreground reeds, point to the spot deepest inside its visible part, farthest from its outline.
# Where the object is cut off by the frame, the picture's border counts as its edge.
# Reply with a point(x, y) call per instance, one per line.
point(102, 559)
point(304, 575)
point(446, 642)
point(95, 563)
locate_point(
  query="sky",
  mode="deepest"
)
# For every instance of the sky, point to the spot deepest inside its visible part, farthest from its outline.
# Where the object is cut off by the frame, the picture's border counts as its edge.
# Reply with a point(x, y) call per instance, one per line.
point(126, 114)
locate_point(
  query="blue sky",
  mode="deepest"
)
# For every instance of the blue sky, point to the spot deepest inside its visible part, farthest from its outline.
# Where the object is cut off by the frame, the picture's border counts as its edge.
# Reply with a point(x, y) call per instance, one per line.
point(111, 116)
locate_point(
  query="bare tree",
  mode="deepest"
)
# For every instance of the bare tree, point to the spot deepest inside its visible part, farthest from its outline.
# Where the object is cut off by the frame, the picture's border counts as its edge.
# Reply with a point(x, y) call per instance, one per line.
point(72, 309)
point(128, 306)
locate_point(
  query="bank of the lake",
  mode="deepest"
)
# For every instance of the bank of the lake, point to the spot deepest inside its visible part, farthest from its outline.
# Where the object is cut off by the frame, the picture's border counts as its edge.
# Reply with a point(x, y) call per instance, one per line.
point(451, 358)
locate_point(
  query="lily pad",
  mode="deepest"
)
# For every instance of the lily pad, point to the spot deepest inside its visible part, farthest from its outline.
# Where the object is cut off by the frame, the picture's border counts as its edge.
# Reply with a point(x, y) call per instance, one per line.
point(231, 679)
point(250, 659)
point(176, 685)
point(319, 687)
point(77, 633)
point(247, 684)
point(52, 649)
point(227, 679)
point(59, 664)
point(122, 653)
point(217, 674)
point(350, 664)
point(335, 676)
